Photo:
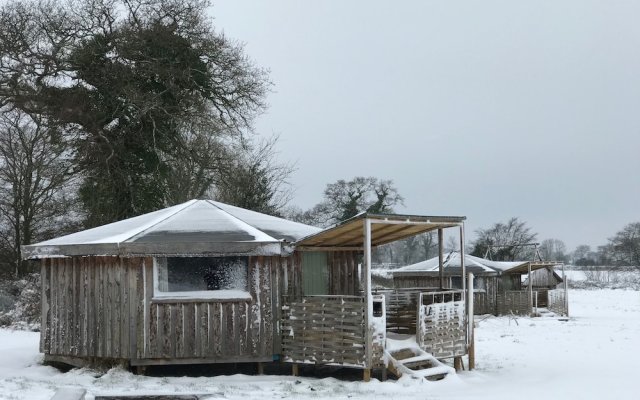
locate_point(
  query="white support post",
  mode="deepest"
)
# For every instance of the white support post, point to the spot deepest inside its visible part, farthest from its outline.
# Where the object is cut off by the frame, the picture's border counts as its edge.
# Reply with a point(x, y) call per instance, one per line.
point(462, 262)
point(530, 290)
point(441, 257)
point(470, 326)
point(566, 292)
point(463, 265)
point(367, 292)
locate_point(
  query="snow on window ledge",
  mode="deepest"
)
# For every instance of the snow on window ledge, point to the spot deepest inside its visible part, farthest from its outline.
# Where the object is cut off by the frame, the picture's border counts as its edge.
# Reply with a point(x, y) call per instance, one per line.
point(201, 295)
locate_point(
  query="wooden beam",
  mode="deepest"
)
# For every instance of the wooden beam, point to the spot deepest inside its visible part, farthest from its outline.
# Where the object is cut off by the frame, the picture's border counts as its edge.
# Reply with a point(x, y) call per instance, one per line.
point(457, 364)
point(208, 360)
point(329, 248)
point(185, 300)
point(367, 292)
point(339, 235)
point(408, 222)
point(392, 231)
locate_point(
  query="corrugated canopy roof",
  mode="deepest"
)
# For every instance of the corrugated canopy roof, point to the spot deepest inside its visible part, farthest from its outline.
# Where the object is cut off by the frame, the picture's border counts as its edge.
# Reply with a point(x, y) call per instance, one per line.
point(197, 227)
point(452, 266)
point(385, 228)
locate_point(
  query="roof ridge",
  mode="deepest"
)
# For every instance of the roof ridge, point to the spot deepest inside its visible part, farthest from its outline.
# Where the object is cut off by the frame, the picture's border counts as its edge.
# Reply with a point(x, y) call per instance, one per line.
point(212, 202)
point(154, 223)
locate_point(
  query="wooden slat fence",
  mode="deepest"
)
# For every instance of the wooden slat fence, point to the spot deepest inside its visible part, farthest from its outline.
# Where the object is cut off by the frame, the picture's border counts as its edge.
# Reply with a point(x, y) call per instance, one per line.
point(441, 328)
point(557, 301)
point(516, 302)
point(482, 304)
point(324, 330)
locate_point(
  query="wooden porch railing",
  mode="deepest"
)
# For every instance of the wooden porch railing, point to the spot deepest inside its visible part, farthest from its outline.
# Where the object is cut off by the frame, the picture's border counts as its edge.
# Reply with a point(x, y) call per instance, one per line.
point(324, 330)
point(441, 326)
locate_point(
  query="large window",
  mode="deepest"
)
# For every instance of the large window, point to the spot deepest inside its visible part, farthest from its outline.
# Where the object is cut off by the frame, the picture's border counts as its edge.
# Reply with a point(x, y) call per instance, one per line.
point(201, 276)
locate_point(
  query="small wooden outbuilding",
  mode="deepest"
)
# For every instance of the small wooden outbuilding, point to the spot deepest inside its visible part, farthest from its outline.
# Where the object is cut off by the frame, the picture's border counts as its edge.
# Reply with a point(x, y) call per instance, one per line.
point(206, 282)
point(500, 287)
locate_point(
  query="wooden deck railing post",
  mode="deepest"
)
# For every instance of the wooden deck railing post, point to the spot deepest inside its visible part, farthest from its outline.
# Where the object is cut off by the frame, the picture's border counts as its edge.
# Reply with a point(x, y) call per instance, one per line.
point(368, 307)
point(441, 257)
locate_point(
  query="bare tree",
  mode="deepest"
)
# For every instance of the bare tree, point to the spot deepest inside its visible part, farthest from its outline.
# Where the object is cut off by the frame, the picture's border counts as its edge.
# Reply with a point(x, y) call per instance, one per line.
point(625, 246)
point(199, 163)
point(34, 184)
point(254, 179)
point(505, 241)
point(452, 244)
point(553, 250)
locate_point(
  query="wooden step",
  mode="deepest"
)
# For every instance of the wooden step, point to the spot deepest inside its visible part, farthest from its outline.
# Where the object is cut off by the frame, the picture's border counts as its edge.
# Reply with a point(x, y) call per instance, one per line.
point(404, 354)
point(434, 373)
point(417, 363)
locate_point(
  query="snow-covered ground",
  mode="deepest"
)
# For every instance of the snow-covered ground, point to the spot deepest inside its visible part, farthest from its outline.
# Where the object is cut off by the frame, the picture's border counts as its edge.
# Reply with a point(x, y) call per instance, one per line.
point(594, 355)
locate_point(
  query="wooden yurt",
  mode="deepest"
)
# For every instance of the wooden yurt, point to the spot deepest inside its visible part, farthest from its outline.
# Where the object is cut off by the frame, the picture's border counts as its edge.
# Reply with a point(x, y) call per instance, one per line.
point(206, 282)
point(193, 283)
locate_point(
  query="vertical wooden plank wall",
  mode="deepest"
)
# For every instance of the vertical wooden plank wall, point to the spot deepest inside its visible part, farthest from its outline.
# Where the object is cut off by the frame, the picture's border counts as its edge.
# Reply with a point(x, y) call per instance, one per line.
point(102, 307)
point(343, 273)
point(88, 306)
point(290, 277)
point(219, 330)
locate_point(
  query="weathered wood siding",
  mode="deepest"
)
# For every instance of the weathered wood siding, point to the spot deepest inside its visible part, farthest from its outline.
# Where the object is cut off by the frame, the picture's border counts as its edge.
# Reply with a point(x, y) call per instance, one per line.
point(432, 282)
point(289, 277)
point(344, 278)
point(221, 330)
point(510, 282)
point(486, 295)
point(481, 304)
point(103, 307)
point(544, 278)
point(325, 330)
point(91, 306)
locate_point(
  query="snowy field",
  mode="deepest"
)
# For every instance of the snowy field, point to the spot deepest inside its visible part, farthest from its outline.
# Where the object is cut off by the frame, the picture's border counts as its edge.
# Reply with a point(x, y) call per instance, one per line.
point(594, 355)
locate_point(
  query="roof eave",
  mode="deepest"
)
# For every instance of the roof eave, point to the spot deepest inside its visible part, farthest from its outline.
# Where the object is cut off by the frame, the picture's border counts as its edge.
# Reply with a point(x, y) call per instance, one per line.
point(349, 233)
point(157, 249)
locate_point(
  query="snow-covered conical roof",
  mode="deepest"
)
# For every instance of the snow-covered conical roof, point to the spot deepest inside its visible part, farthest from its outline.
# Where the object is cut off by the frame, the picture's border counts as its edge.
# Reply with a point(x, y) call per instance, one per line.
point(477, 265)
point(452, 263)
point(197, 227)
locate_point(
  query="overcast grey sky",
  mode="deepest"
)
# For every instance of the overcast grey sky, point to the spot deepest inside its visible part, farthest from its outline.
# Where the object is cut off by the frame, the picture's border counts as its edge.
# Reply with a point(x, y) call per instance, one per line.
point(488, 109)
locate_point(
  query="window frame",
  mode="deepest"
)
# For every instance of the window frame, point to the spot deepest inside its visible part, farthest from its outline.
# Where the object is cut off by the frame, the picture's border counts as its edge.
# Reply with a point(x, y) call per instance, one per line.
point(220, 295)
